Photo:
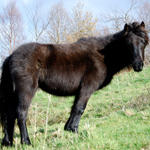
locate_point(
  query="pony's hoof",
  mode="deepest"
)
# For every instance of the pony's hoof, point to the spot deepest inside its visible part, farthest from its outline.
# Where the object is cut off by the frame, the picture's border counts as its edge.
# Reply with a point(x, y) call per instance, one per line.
point(26, 142)
point(72, 129)
point(6, 143)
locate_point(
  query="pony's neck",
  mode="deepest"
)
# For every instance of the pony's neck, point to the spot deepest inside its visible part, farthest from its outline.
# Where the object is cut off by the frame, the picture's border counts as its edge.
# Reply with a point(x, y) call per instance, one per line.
point(106, 40)
point(116, 56)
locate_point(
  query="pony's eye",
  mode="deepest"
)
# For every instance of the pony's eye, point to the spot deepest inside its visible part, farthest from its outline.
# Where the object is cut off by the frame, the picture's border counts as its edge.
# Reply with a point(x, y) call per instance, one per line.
point(143, 41)
point(130, 44)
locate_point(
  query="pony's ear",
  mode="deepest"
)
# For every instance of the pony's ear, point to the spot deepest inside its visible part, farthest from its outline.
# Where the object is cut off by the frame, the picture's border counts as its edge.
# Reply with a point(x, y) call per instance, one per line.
point(127, 29)
point(142, 24)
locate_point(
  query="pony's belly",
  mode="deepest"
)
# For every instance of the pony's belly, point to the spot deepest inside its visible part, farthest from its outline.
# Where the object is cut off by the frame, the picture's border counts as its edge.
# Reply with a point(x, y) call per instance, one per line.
point(60, 88)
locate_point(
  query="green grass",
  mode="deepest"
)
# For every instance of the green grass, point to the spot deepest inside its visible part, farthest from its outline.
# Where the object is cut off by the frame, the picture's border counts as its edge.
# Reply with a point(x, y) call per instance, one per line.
point(116, 118)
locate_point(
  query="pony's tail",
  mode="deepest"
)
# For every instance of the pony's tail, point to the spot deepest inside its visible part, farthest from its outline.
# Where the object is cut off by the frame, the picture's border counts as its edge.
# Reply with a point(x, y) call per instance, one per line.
point(6, 90)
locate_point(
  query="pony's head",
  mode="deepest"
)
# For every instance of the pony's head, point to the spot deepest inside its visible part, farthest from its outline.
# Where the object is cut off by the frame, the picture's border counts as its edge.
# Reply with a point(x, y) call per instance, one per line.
point(136, 39)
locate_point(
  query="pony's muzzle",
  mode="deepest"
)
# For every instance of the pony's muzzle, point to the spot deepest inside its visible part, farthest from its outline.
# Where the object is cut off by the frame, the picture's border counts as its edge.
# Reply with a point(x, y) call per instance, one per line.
point(138, 65)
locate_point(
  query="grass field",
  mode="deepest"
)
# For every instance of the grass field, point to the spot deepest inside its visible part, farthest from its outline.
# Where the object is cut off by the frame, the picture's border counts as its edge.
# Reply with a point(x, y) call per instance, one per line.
point(116, 118)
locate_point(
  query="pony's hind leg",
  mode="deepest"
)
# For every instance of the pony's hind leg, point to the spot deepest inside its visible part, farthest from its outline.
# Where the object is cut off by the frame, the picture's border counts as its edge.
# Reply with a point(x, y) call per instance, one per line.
point(9, 123)
point(25, 90)
point(9, 118)
point(22, 110)
point(8, 103)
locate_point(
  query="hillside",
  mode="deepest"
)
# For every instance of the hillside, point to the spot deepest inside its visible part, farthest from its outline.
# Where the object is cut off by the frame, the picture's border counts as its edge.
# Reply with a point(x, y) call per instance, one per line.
point(117, 117)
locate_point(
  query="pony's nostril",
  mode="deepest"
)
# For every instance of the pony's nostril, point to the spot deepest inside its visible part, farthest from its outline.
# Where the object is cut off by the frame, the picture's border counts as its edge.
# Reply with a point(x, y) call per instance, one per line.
point(138, 65)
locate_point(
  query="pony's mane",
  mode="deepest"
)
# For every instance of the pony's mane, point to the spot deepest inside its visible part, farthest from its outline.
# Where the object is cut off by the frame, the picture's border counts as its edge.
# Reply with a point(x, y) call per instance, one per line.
point(140, 31)
point(101, 42)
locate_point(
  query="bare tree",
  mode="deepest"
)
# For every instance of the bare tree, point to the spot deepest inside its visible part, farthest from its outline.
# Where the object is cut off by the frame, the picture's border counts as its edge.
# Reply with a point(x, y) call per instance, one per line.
point(37, 20)
point(11, 29)
point(144, 14)
point(59, 23)
point(83, 24)
point(105, 31)
point(118, 17)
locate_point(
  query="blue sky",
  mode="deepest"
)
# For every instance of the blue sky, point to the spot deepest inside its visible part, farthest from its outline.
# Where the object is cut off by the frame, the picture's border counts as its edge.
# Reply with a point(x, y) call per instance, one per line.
point(96, 6)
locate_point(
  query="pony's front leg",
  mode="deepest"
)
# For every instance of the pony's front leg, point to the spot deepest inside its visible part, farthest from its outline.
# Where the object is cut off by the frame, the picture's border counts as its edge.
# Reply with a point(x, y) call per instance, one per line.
point(76, 113)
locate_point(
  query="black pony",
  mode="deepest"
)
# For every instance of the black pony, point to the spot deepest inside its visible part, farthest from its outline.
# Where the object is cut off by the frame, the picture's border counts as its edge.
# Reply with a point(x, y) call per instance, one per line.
point(76, 69)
